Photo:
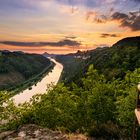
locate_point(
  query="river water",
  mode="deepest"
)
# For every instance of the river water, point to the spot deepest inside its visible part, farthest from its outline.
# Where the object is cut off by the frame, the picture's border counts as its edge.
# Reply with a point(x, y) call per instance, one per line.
point(42, 86)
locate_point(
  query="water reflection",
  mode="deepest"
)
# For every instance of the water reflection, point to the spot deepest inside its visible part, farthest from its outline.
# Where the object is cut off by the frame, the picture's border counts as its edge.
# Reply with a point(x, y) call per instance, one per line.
point(42, 86)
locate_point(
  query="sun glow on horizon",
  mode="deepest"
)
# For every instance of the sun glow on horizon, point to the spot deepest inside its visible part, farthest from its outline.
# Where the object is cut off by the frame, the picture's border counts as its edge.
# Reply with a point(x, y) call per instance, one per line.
point(71, 25)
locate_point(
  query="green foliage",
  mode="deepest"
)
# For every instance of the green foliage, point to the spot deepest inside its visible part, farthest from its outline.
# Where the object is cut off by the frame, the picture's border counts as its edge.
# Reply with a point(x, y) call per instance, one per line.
point(72, 66)
point(115, 61)
point(98, 107)
point(16, 68)
point(112, 62)
point(125, 112)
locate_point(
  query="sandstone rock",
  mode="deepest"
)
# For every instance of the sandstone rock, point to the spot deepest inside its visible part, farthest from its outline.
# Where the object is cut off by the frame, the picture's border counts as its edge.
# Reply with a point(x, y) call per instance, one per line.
point(4, 134)
point(34, 132)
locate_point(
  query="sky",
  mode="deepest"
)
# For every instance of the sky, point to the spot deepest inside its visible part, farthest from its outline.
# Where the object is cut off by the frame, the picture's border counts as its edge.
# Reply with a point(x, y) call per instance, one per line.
point(65, 26)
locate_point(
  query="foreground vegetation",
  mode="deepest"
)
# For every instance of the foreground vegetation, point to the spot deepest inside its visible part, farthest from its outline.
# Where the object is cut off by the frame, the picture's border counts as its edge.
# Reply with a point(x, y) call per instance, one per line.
point(97, 107)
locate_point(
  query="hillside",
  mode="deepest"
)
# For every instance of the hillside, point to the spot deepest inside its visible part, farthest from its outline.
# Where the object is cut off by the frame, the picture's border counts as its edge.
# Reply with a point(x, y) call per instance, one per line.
point(72, 66)
point(129, 41)
point(100, 103)
point(117, 60)
point(112, 61)
point(18, 67)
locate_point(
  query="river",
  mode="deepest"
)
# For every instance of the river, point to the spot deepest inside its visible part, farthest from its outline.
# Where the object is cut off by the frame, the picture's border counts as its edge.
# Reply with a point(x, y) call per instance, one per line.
point(40, 87)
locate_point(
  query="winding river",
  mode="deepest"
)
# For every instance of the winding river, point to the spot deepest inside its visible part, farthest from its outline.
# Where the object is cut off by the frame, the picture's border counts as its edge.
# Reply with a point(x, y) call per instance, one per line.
point(42, 86)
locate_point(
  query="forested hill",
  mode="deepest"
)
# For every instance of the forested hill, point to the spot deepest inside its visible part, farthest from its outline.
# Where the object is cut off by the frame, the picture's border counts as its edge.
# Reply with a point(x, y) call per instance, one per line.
point(17, 67)
point(112, 61)
point(118, 59)
point(129, 41)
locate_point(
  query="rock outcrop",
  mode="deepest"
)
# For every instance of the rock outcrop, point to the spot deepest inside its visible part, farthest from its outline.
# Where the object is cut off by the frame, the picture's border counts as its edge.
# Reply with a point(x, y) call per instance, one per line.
point(34, 132)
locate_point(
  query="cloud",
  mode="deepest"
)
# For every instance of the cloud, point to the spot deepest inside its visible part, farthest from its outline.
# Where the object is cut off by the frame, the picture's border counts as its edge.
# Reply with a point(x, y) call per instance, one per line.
point(119, 16)
point(97, 3)
point(96, 17)
point(15, 4)
point(61, 43)
point(137, 0)
point(86, 3)
point(90, 14)
point(69, 9)
point(105, 35)
point(101, 45)
point(70, 37)
point(131, 20)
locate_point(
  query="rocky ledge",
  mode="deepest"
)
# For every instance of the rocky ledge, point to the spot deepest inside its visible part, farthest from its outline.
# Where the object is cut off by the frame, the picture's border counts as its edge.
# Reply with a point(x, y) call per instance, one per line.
point(34, 132)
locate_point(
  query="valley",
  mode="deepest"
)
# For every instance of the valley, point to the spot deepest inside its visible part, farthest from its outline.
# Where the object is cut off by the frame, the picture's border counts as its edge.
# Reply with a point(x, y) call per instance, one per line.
point(42, 86)
point(69, 69)
point(19, 70)
point(93, 93)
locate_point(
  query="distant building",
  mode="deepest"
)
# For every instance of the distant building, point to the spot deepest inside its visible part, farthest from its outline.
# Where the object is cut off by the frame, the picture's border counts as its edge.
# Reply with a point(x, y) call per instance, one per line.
point(82, 57)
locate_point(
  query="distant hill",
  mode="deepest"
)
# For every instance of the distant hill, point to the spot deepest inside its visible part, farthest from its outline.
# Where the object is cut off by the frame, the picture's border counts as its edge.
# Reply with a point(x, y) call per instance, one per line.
point(73, 64)
point(17, 67)
point(118, 59)
point(129, 41)
point(49, 55)
point(112, 61)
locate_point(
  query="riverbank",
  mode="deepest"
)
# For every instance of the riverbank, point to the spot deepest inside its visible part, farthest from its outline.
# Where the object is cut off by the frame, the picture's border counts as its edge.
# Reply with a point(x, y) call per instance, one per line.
point(32, 81)
point(42, 86)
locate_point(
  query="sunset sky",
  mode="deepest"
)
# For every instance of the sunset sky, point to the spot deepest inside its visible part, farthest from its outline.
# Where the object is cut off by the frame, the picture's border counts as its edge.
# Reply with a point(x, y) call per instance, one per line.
point(64, 26)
